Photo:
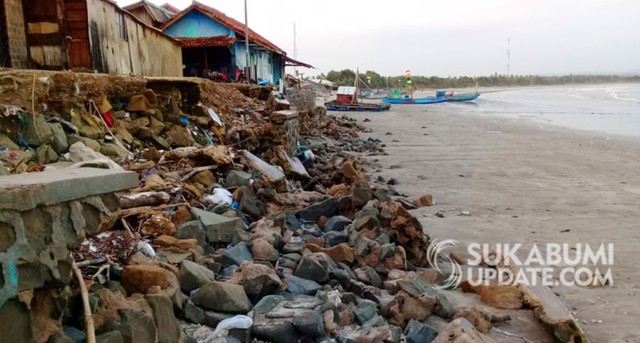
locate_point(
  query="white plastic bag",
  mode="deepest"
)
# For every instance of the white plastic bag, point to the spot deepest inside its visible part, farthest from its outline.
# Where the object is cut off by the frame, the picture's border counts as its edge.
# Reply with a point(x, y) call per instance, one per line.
point(236, 322)
point(220, 196)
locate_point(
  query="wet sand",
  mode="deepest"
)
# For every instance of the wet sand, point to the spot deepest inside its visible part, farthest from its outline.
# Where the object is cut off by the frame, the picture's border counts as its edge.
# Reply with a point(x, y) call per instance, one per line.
point(527, 182)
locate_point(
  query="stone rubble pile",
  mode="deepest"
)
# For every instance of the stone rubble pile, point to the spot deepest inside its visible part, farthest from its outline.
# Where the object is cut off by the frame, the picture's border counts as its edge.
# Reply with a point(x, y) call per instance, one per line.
point(233, 237)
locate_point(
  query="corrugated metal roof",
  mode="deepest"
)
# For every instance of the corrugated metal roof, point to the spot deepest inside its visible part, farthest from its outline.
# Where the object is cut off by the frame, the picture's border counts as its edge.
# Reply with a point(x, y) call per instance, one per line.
point(158, 13)
point(293, 63)
point(231, 23)
point(346, 90)
point(201, 42)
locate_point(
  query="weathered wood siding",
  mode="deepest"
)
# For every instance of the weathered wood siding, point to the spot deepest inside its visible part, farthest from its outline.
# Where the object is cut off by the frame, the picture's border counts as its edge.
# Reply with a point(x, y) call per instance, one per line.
point(122, 45)
point(142, 14)
point(15, 33)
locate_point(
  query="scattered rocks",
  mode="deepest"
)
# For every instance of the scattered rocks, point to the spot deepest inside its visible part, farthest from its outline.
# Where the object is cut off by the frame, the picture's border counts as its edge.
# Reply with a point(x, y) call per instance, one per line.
point(310, 323)
point(315, 266)
point(193, 276)
point(336, 223)
point(222, 296)
point(298, 285)
point(417, 332)
point(365, 310)
point(165, 320)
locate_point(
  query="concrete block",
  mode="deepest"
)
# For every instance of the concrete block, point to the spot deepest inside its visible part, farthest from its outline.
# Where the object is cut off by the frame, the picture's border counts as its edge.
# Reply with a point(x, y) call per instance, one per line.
point(24, 192)
point(218, 228)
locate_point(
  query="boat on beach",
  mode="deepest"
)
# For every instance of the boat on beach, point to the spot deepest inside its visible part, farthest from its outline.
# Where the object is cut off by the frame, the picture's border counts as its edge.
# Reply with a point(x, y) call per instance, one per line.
point(441, 96)
point(463, 97)
point(414, 101)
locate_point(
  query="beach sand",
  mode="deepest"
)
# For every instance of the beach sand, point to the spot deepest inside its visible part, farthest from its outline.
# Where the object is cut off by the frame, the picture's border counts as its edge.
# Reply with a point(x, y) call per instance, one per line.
point(526, 182)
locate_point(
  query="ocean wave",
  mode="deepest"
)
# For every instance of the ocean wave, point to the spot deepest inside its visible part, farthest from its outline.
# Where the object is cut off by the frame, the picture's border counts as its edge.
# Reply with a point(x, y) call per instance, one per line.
point(614, 94)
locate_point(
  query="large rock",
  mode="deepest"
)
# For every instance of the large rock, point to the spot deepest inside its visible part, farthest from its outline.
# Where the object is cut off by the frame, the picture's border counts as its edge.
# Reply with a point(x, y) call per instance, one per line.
point(134, 326)
point(38, 131)
point(59, 143)
point(266, 304)
point(221, 296)
point(258, 280)
point(275, 330)
point(361, 194)
point(205, 178)
point(249, 204)
point(237, 254)
point(90, 132)
point(193, 276)
point(336, 223)
point(310, 324)
point(193, 313)
point(218, 228)
point(168, 329)
point(417, 332)
point(237, 178)
point(315, 266)
point(192, 230)
point(333, 238)
point(298, 285)
point(90, 143)
point(113, 150)
point(45, 154)
point(110, 337)
point(15, 322)
point(339, 253)
point(180, 136)
point(327, 208)
point(365, 310)
point(140, 278)
point(8, 143)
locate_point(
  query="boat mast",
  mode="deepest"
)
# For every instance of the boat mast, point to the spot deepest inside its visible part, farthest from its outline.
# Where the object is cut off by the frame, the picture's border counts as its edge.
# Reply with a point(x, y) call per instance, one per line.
point(355, 84)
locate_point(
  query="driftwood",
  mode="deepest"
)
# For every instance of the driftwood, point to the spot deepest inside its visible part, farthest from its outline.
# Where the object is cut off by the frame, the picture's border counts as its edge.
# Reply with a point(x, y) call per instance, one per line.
point(146, 209)
point(218, 154)
point(195, 171)
point(144, 199)
point(88, 319)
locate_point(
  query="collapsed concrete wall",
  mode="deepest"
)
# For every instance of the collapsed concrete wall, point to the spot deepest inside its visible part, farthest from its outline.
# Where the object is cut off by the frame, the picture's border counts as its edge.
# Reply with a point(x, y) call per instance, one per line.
point(43, 217)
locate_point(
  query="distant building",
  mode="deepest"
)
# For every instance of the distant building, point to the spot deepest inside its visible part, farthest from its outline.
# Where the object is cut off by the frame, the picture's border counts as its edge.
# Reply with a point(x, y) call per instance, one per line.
point(151, 14)
point(214, 41)
point(84, 35)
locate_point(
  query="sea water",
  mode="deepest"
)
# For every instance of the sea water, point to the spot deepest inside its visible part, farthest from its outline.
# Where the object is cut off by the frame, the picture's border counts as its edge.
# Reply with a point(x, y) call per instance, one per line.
point(610, 108)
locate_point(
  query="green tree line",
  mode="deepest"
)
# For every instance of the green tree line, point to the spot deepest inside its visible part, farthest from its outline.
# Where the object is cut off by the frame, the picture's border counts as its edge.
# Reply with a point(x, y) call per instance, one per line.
point(346, 77)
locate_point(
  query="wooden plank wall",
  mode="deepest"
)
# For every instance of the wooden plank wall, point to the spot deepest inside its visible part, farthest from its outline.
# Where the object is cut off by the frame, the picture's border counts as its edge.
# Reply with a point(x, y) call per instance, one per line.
point(137, 49)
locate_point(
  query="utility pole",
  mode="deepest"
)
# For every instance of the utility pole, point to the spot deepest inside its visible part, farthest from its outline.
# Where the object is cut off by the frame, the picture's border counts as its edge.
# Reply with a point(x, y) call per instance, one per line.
point(246, 42)
point(508, 56)
point(295, 48)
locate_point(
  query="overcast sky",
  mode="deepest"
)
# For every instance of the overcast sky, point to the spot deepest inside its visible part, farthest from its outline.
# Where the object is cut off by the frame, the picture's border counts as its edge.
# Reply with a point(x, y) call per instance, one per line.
point(449, 38)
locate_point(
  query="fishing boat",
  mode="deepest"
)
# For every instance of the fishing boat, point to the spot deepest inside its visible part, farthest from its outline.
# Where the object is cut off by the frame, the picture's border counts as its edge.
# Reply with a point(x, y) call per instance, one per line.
point(414, 101)
point(347, 100)
point(463, 97)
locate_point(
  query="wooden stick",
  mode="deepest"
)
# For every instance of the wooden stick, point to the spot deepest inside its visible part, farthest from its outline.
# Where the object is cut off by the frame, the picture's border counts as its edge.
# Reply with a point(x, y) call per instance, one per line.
point(195, 171)
point(139, 210)
point(127, 227)
point(90, 262)
point(88, 319)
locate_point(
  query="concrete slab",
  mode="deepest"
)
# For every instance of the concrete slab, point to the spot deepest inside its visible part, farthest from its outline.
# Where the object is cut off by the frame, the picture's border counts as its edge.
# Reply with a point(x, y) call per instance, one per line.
point(23, 192)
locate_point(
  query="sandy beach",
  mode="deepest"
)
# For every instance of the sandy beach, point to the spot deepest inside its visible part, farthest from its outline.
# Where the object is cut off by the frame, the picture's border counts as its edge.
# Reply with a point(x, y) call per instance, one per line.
point(528, 182)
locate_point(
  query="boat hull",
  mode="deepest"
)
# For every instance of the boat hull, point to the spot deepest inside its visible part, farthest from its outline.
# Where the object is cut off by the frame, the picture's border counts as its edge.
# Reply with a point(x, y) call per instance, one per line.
point(463, 97)
point(414, 101)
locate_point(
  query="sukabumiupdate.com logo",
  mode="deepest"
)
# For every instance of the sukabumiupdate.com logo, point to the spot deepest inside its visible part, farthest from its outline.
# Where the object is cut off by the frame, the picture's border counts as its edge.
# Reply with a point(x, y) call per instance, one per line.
point(548, 264)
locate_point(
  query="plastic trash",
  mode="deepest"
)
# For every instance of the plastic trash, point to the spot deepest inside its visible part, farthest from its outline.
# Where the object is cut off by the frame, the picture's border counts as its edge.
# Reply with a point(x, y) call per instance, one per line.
point(220, 196)
point(146, 249)
point(215, 117)
point(236, 322)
